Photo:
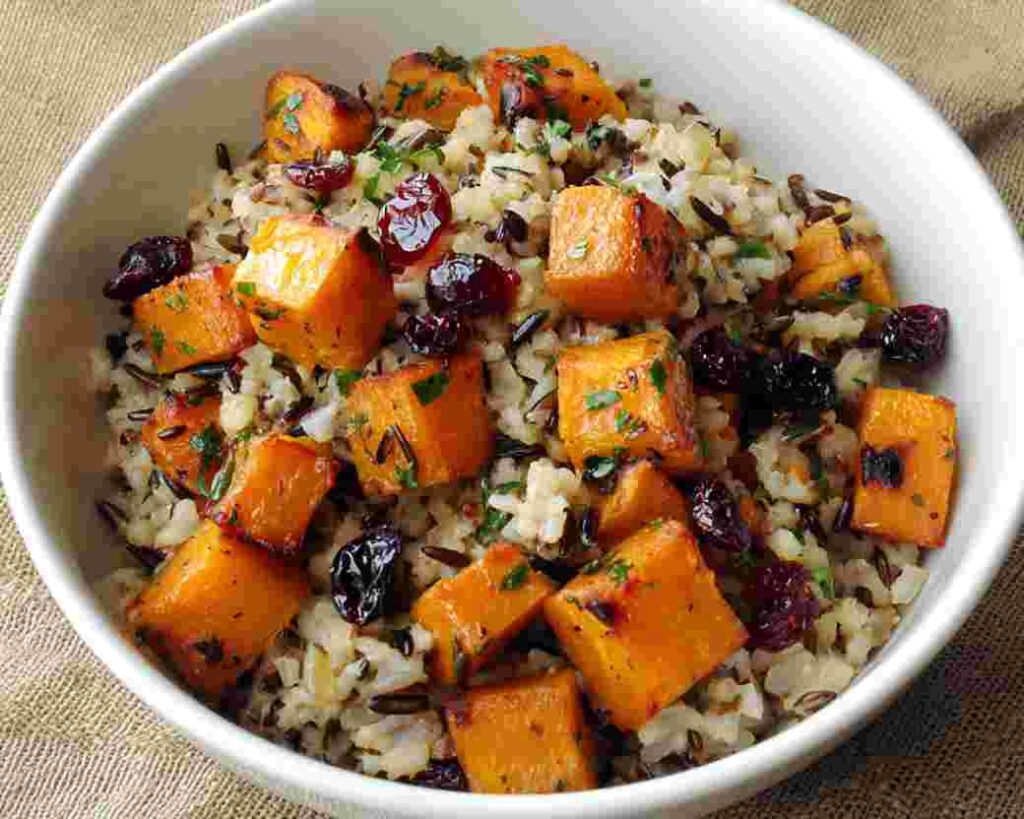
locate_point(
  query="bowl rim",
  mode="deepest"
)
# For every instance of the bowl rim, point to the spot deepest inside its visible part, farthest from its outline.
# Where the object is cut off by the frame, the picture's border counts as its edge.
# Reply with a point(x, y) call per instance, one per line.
point(719, 782)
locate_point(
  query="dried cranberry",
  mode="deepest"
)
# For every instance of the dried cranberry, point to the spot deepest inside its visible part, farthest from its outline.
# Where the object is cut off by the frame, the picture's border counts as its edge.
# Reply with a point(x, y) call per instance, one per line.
point(412, 219)
point(436, 335)
point(881, 466)
point(784, 605)
point(916, 335)
point(446, 775)
point(716, 517)
point(473, 285)
point(320, 178)
point(362, 573)
point(147, 264)
point(717, 363)
point(792, 381)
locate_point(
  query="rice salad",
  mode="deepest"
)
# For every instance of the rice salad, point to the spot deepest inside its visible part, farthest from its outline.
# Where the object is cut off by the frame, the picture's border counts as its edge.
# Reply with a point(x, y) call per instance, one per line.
point(399, 589)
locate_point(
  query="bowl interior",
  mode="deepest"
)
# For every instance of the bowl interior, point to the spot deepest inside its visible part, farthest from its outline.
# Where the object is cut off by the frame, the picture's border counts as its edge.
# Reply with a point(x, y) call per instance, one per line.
point(852, 128)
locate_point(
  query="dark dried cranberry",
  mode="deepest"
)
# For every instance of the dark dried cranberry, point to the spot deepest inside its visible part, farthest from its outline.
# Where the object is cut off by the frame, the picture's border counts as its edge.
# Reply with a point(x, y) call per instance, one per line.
point(362, 572)
point(784, 605)
point(147, 264)
point(916, 335)
point(716, 517)
point(881, 466)
point(717, 363)
point(792, 381)
point(412, 219)
point(445, 775)
point(320, 178)
point(433, 334)
point(473, 285)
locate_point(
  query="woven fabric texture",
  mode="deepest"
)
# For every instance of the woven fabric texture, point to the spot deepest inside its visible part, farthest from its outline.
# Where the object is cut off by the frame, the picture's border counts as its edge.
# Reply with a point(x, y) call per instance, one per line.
point(75, 743)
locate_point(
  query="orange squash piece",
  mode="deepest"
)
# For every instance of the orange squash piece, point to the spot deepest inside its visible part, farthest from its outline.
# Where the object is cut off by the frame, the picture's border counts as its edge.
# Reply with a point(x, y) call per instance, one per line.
point(215, 606)
point(193, 320)
point(524, 736)
point(432, 86)
point(642, 494)
point(922, 430)
point(610, 255)
point(314, 292)
point(420, 426)
point(646, 625)
point(473, 614)
point(184, 440)
point(821, 262)
point(278, 482)
point(545, 83)
point(304, 118)
point(632, 396)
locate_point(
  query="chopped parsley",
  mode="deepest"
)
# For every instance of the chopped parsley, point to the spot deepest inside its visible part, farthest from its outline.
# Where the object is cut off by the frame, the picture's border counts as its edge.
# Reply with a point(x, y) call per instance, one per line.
point(246, 288)
point(429, 389)
point(267, 314)
point(557, 128)
point(444, 60)
point(178, 302)
point(406, 476)
point(222, 480)
point(276, 108)
point(596, 467)
point(494, 519)
point(618, 571)
point(293, 101)
point(602, 398)
point(291, 124)
point(157, 339)
point(753, 250)
point(629, 423)
point(208, 443)
point(407, 91)
point(435, 99)
point(645, 82)
point(823, 577)
point(659, 376)
point(949, 454)
point(515, 577)
point(705, 448)
point(579, 250)
point(344, 379)
point(185, 347)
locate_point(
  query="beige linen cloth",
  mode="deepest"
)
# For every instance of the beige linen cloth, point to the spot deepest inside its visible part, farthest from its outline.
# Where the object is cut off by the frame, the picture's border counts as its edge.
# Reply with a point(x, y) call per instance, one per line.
point(75, 743)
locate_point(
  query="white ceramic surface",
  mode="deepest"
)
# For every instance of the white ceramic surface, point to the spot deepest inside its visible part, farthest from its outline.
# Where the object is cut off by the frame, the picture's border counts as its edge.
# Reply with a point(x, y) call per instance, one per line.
point(802, 99)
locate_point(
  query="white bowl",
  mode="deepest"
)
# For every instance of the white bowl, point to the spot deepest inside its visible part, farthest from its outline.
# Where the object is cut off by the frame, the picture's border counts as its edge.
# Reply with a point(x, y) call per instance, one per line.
point(802, 99)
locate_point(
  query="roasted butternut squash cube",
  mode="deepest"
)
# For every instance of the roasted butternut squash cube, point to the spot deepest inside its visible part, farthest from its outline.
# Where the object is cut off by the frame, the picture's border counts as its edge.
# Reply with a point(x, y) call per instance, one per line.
point(546, 83)
point(524, 736)
point(642, 494)
point(420, 426)
point(314, 292)
point(193, 320)
point(304, 118)
point(610, 255)
point(432, 86)
point(213, 609)
point(906, 466)
point(277, 484)
point(823, 263)
point(646, 625)
point(628, 397)
point(473, 614)
point(185, 440)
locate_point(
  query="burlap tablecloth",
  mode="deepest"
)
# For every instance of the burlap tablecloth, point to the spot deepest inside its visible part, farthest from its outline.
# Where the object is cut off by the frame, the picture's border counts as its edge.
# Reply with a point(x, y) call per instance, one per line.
point(75, 743)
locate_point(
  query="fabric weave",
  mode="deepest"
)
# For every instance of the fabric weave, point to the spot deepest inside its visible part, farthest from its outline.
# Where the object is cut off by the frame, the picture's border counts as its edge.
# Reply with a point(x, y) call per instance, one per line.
point(75, 743)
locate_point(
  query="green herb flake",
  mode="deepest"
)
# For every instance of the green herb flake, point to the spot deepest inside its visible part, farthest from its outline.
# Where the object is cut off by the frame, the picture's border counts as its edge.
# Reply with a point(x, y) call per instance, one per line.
point(370, 188)
point(267, 314)
point(949, 454)
point(823, 577)
point(435, 99)
point(753, 250)
point(601, 399)
point(246, 288)
point(579, 250)
point(406, 476)
point(621, 420)
point(917, 499)
point(592, 567)
point(659, 376)
point(276, 108)
point(619, 572)
point(185, 347)
point(557, 128)
point(705, 448)
point(860, 382)
point(293, 101)
point(208, 443)
point(596, 467)
point(178, 302)
point(515, 577)
point(157, 339)
point(431, 388)
point(291, 124)
point(357, 421)
point(645, 82)
point(407, 91)
point(344, 379)
point(222, 480)
point(532, 76)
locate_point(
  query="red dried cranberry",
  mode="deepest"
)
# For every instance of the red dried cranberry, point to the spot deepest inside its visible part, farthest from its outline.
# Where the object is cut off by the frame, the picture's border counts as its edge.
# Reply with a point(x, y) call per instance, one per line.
point(784, 605)
point(916, 335)
point(148, 264)
point(716, 517)
point(362, 573)
point(792, 381)
point(412, 219)
point(881, 466)
point(435, 335)
point(717, 363)
point(320, 178)
point(472, 285)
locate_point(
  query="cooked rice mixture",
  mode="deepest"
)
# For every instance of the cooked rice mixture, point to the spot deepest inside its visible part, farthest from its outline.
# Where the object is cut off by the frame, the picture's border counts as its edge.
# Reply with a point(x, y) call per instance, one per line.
point(360, 694)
